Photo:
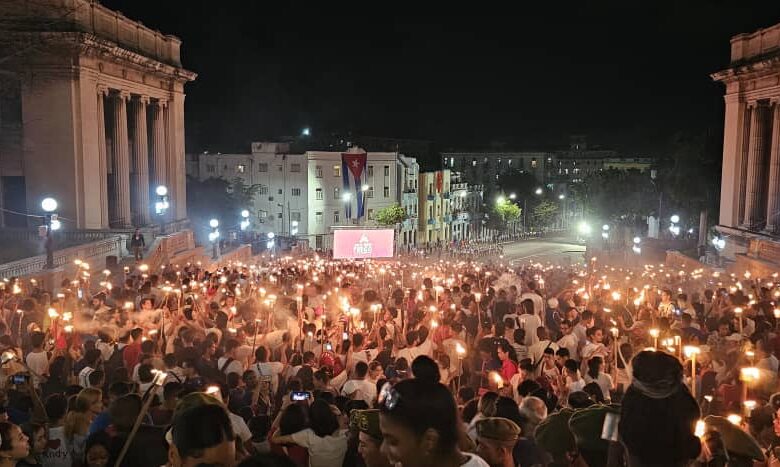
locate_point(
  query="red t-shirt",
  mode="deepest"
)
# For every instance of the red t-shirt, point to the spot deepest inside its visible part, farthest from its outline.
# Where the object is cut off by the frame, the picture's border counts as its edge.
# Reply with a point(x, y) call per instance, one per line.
point(508, 369)
point(131, 354)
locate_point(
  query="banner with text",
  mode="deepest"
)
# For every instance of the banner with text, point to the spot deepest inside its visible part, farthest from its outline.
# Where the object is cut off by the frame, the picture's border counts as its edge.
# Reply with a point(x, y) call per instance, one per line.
point(359, 243)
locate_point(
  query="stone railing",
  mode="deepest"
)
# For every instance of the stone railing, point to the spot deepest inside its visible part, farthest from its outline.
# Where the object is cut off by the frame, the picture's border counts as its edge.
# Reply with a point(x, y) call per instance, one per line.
point(678, 260)
point(165, 247)
point(94, 253)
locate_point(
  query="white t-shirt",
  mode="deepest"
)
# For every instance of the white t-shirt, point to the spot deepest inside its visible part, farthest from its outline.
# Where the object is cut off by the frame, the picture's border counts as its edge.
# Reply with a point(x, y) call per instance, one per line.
point(234, 367)
point(57, 453)
point(269, 370)
point(410, 353)
point(38, 362)
point(604, 381)
point(474, 461)
point(240, 427)
point(537, 299)
point(570, 343)
point(576, 385)
point(362, 388)
point(326, 451)
point(530, 323)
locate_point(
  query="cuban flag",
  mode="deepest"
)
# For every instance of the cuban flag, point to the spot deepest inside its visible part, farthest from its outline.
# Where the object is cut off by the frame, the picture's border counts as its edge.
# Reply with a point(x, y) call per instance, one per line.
point(353, 164)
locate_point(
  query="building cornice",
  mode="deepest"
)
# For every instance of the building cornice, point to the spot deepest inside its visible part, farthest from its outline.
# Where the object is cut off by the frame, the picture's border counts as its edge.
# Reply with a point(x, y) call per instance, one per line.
point(754, 69)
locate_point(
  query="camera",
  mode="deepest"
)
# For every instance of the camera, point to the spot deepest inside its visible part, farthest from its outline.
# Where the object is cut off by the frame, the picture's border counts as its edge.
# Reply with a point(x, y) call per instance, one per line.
point(297, 396)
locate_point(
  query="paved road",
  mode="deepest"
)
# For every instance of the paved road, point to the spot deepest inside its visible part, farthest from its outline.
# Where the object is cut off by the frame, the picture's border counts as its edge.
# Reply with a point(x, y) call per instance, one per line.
point(544, 251)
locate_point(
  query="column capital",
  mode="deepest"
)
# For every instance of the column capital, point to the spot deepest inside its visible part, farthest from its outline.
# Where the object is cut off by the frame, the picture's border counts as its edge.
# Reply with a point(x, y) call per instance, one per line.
point(752, 104)
point(162, 102)
point(124, 95)
point(102, 89)
point(143, 99)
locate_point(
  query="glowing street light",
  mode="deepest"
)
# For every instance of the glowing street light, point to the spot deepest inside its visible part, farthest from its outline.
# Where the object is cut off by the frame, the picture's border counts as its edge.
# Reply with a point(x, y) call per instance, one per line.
point(161, 206)
point(675, 218)
point(347, 196)
point(213, 237)
point(245, 222)
point(500, 200)
point(512, 196)
point(561, 196)
point(306, 131)
point(214, 223)
point(49, 205)
point(538, 191)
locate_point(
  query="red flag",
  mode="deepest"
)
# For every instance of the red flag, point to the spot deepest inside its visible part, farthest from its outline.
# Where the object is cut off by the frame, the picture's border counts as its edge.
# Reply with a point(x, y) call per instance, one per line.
point(439, 181)
point(356, 163)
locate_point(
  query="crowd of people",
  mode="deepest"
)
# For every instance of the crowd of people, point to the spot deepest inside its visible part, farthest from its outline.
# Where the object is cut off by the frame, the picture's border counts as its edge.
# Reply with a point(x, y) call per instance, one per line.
point(312, 362)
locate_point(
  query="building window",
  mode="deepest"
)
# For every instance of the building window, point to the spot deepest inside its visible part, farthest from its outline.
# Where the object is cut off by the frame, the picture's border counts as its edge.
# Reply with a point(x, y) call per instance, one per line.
point(280, 167)
point(533, 163)
point(473, 162)
point(262, 214)
point(296, 192)
point(370, 171)
point(279, 191)
point(452, 162)
point(318, 171)
point(387, 171)
point(318, 193)
point(210, 168)
point(270, 198)
point(370, 214)
point(336, 193)
point(337, 171)
point(262, 167)
point(263, 190)
point(295, 216)
point(387, 192)
point(295, 167)
point(279, 216)
point(240, 168)
point(509, 163)
point(336, 217)
point(370, 192)
point(318, 217)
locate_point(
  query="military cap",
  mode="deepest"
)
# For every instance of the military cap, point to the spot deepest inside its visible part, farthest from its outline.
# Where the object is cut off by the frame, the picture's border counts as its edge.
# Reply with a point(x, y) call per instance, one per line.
point(366, 421)
point(554, 436)
point(498, 429)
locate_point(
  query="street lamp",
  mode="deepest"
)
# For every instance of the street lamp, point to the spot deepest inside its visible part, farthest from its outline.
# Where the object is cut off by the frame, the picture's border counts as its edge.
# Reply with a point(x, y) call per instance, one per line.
point(214, 237)
point(563, 210)
point(161, 205)
point(500, 200)
point(512, 196)
point(49, 205)
point(306, 131)
point(294, 230)
point(270, 244)
point(245, 222)
point(636, 248)
point(675, 219)
point(538, 191)
point(364, 193)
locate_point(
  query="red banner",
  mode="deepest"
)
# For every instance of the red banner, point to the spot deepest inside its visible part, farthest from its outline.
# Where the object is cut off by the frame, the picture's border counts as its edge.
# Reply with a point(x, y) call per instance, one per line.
point(439, 181)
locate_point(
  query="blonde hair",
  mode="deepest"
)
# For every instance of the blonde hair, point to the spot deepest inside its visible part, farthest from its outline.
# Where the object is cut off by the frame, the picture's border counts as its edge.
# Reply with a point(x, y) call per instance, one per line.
point(78, 418)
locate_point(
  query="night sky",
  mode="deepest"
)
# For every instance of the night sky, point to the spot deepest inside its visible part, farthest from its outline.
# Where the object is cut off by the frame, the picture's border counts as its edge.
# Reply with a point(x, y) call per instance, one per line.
point(627, 76)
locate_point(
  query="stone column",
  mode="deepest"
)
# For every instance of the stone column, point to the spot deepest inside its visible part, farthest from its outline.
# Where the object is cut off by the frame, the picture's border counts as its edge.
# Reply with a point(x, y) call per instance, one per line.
point(159, 144)
point(121, 193)
point(102, 92)
point(756, 155)
point(773, 196)
point(140, 161)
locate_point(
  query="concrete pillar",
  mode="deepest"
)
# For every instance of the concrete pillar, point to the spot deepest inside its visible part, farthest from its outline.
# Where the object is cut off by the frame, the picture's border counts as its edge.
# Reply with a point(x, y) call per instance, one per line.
point(121, 150)
point(756, 153)
point(159, 144)
point(102, 92)
point(773, 196)
point(141, 205)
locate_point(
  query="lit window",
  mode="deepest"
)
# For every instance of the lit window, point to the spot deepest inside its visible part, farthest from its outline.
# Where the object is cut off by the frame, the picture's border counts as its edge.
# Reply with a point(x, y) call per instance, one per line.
point(533, 163)
point(337, 171)
point(240, 168)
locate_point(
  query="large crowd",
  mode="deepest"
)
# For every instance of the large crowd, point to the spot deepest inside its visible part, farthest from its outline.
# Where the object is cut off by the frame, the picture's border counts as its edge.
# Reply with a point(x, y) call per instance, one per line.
point(307, 361)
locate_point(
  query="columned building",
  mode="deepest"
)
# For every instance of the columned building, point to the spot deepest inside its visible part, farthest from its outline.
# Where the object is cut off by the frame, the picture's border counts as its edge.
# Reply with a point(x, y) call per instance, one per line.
point(100, 110)
point(750, 188)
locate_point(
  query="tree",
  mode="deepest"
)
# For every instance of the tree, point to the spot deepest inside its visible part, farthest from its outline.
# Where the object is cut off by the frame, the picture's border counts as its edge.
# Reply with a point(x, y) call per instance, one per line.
point(504, 212)
point(216, 198)
point(391, 215)
point(544, 213)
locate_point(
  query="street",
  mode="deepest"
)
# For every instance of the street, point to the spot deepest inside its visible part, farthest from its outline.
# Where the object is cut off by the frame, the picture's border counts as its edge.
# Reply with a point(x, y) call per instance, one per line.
point(556, 251)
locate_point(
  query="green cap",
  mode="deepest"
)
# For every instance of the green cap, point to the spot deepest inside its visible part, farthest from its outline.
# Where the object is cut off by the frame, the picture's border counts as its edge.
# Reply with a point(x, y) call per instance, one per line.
point(587, 426)
point(554, 436)
point(366, 421)
point(736, 441)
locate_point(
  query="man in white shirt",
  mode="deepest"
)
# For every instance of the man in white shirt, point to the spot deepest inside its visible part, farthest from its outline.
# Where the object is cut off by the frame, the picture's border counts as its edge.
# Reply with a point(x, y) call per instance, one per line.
point(37, 360)
point(568, 340)
point(228, 363)
point(413, 350)
point(359, 387)
point(580, 330)
point(593, 347)
point(529, 323)
point(533, 295)
point(268, 372)
point(536, 351)
point(359, 354)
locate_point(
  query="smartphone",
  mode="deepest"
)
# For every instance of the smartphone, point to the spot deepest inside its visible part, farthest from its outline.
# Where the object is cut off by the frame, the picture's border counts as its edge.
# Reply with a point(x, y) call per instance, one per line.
point(20, 379)
point(297, 396)
point(345, 336)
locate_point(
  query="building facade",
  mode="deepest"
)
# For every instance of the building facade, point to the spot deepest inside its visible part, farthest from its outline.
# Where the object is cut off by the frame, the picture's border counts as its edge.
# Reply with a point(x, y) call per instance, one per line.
point(100, 99)
point(435, 213)
point(407, 236)
point(750, 187)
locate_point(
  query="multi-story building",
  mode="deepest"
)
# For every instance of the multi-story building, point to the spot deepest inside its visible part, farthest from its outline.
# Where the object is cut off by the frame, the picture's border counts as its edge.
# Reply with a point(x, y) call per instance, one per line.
point(485, 168)
point(410, 169)
point(464, 206)
point(435, 214)
point(282, 194)
point(327, 199)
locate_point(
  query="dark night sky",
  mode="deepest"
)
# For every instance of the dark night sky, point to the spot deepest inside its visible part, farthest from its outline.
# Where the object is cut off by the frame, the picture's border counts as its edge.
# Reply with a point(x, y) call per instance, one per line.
point(627, 76)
